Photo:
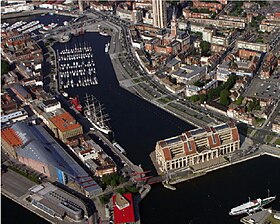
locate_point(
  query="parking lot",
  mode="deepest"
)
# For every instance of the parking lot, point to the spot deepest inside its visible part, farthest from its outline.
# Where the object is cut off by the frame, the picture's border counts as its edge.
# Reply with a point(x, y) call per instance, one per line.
point(265, 89)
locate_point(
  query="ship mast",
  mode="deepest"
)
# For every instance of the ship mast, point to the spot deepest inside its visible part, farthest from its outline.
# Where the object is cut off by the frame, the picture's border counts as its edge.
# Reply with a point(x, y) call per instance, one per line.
point(95, 112)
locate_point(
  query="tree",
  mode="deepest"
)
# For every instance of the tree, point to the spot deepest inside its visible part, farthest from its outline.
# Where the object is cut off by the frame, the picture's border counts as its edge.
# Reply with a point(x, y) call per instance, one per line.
point(106, 179)
point(214, 93)
point(205, 48)
point(239, 100)
point(230, 82)
point(254, 105)
point(5, 67)
point(194, 98)
point(121, 179)
point(213, 15)
point(132, 189)
point(113, 183)
point(121, 190)
point(224, 97)
point(104, 199)
point(198, 83)
point(202, 98)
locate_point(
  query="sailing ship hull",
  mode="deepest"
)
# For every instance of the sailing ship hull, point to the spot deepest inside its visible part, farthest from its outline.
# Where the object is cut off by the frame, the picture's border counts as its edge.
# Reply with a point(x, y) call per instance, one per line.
point(94, 113)
point(103, 130)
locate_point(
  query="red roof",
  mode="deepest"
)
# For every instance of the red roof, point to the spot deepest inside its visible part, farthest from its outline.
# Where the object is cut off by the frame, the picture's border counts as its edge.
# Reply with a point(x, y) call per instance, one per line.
point(167, 153)
point(10, 136)
point(124, 215)
point(65, 122)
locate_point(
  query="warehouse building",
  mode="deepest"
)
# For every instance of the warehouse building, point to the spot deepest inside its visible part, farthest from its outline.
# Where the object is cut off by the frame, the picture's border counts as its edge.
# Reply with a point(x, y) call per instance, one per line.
point(36, 148)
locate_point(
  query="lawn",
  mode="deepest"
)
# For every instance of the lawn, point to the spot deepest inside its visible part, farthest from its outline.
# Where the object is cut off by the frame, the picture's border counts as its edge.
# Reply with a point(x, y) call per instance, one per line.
point(277, 142)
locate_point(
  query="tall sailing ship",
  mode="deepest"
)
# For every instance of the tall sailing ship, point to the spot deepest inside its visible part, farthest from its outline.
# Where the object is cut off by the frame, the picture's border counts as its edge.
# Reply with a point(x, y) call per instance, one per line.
point(94, 112)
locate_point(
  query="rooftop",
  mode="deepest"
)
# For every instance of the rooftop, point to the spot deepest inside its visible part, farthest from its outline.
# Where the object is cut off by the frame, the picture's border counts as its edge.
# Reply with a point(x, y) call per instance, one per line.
point(121, 202)
point(65, 122)
point(126, 214)
point(10, 136)
point(189, 71)
point(19, 89)
point(50, 102)
point(39, 145)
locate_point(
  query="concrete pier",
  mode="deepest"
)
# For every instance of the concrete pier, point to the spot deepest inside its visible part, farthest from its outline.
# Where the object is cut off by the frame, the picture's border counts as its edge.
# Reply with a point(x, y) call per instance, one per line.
point(15, 187)
point(105, 140)
point(187, 174)
point(262, 217)
point(246, 152)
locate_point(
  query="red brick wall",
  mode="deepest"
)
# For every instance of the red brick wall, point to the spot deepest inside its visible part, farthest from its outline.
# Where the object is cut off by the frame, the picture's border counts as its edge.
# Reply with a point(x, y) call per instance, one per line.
point(36, 165)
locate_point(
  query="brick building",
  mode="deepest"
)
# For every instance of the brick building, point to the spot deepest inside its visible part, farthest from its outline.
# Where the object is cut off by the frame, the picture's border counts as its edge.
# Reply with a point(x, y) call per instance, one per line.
point(197, 146)
point(64, 126)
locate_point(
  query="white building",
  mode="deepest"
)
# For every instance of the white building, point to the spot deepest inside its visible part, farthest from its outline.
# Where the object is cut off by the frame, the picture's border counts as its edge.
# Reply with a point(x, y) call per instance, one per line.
point(189, 74)
point(192, 90)
point(16, 8)
point(253, 46)
point(197, 146)
point(159, 13)
point(15, 116)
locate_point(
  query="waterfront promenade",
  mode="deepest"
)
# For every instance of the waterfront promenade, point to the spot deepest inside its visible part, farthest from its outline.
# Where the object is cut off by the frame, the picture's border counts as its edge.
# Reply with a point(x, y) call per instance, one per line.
point(15, 187)
point(143, 85)
point(35, 12)
point(246, 152)
point(125, 160)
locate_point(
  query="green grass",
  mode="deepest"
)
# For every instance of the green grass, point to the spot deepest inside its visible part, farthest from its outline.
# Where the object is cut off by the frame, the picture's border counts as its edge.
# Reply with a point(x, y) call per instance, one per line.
point(268, 138)
point(277, 142)
point(138, 80)
point(249, 131)
point(255, 134)
point(164, 100)
point(25, 174)
point(260, 121)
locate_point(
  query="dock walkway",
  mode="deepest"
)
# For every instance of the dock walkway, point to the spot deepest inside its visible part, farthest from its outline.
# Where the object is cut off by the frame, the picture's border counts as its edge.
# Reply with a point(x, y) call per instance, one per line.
point(239, 156)
point(133, 167)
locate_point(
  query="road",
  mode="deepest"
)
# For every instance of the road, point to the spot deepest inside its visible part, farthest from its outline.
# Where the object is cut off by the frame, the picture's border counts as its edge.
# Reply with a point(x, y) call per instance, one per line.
point(12, 180)
point(131, 66)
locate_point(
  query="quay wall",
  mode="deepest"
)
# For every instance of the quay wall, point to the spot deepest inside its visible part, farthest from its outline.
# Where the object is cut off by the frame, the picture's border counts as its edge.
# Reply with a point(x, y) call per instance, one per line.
point(36, 12)
point(26, 205)
point(201, 172)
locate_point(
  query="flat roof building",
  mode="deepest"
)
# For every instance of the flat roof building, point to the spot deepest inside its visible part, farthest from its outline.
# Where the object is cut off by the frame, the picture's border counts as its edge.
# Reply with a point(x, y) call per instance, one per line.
point(123, 209)
point(60, 122)
point(196, 146)
point(56, 202)
point(189, 74)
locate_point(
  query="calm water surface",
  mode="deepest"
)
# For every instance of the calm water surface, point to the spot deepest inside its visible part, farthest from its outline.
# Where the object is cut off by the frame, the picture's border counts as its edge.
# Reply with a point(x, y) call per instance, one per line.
point(138, 125)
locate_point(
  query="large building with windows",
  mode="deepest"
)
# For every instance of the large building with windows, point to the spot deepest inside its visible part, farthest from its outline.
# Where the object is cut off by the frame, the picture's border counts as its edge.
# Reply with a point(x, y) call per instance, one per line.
point(159, 13)
point(33, 146)
point(197, 146)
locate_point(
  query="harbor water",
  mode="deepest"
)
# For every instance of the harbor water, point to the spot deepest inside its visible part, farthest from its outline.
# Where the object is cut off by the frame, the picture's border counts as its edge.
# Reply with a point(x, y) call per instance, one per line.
point(12, 213)
point(137, 125)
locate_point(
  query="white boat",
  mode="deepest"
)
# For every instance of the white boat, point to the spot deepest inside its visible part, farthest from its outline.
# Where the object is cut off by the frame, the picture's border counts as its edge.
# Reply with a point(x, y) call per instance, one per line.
point(251, 206)
point(103, 33)
point(107, 47)
point(48, 27)
point(121, 149)
point(65, 94)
